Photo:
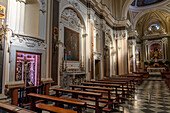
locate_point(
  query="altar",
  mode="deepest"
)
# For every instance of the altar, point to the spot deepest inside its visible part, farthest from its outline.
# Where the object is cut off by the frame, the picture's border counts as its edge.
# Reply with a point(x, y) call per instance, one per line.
point(155, 70)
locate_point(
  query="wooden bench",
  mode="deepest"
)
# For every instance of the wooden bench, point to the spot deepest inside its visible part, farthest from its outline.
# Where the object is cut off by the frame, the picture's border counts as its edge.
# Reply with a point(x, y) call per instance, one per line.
point(75, 103)
point(138, 80)
point(130, 80)
point(165, 73)
point(50, 108)
point(14, 92)
point(75, 93)
point(167, 80)
point(115, 82)
point(145, 73)
point(100, 89)
point(104, 85)
point(13, 109)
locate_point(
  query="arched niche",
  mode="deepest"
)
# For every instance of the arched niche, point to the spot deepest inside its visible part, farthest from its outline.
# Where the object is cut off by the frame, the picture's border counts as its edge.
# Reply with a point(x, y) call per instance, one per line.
point(71, 22)
point(31, 24)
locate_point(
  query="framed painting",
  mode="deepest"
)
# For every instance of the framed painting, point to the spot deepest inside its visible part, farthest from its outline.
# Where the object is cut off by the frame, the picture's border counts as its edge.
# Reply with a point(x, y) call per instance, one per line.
point(71, 43)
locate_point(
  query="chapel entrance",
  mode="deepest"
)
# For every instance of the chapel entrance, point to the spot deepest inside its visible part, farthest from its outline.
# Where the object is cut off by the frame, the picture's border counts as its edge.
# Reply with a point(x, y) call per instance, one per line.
point(97, 69)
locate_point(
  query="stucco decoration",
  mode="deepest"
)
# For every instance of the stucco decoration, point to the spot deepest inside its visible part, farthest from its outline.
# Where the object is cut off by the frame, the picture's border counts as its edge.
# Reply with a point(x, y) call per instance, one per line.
point(154, 31)
point(28, 41)
point(74, 4)
point(70, 17)
point(42, 6)
point(107, 40)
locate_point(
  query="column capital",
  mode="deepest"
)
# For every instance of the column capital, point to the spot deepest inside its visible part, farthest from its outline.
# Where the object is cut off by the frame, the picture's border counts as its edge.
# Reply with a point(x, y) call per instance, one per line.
point(133, 33)
point(84, 35)
point(23, 1)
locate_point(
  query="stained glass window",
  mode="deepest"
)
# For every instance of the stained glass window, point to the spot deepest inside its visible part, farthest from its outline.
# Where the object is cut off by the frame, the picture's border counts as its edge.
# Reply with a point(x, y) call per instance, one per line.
point(154, 25)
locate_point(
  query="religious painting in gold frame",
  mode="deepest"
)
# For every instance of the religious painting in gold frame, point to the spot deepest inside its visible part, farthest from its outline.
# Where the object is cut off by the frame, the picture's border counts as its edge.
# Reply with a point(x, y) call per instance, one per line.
point(2, 12)
point(71, 43)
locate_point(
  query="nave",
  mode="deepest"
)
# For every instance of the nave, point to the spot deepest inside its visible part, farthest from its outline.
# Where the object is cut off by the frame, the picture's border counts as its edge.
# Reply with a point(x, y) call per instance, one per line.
point(131, 93)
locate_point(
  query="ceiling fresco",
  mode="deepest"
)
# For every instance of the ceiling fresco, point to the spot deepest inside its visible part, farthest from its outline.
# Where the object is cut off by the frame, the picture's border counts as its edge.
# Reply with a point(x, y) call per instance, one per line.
point(140, 3)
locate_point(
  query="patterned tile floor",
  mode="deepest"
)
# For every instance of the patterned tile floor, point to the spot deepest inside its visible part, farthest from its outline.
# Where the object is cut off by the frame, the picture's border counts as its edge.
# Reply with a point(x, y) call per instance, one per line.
point(152, 96)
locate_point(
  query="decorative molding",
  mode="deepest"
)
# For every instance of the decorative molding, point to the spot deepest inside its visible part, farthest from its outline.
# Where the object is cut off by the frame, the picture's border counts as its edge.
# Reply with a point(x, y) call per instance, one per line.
point(21, 1)
point(154, 31)
point(70, 18)
point(28, 41)
point(107, 40)
point(120, 35)
point(42, 6)
point(131, 42)
point(164, 40)
point(74, 4)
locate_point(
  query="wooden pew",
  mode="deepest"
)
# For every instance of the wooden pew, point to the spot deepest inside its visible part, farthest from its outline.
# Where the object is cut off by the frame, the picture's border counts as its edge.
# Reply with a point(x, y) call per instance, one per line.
point(14, 92)
point(13, 109)
point(167, 80)
point(46, 85)
point(76, 103)
point(116, 86)
point(115, 82)
point(75, 93)
point(130, 80)
point(138, 80)
point(145, 73)
point(165, 73)
point(108, 90)
point(54, 109)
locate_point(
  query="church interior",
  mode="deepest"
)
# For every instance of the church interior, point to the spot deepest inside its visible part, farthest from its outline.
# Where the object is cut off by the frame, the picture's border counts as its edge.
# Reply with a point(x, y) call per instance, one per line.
point(84, 56)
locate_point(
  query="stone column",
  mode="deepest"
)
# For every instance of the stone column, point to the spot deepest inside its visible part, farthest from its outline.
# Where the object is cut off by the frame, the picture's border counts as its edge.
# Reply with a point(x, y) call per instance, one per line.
point(22, 16)
point(90, 45)
point(165, 48)
point(84, 51)
point(132, 51)
point(132, 55)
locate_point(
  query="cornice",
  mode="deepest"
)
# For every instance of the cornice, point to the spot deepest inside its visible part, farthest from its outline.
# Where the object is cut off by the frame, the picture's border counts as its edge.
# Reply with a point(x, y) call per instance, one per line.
point(104, 13)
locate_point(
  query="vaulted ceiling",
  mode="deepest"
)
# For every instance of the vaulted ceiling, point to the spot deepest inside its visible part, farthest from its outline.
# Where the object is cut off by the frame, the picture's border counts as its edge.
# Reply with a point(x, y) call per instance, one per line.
point(160, 17)
point(156, 13)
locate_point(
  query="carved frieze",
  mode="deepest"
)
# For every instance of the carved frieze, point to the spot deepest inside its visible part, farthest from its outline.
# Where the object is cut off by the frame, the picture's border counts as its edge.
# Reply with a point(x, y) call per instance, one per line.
point(154, 31)
point(120, 35)
point(28, 41)
point(107, 40)
point(70, 17)
point(131, 42)
point(42, 6)
point(164, 40)
point(74, 3)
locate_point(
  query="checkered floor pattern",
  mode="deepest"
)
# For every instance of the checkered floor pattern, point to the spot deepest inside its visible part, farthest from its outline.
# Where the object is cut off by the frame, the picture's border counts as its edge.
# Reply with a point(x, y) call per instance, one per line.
point(152, 96)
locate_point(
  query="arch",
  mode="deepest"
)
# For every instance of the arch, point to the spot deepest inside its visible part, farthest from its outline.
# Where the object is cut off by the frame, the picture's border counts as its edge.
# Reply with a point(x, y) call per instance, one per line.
point(79, 13)
point(125, 8)
point(139, 15)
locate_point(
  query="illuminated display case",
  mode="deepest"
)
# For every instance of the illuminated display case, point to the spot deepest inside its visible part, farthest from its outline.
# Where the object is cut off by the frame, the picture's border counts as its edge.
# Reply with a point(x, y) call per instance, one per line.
point(28, 68)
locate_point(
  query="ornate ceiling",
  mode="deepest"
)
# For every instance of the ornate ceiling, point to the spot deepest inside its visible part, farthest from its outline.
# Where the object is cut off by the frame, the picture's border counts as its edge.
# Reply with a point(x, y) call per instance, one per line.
point(140, 3)
point(159, 17)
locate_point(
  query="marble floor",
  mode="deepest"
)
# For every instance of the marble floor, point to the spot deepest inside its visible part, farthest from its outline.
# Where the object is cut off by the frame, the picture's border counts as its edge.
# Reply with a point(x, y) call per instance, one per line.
point(152, 96)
